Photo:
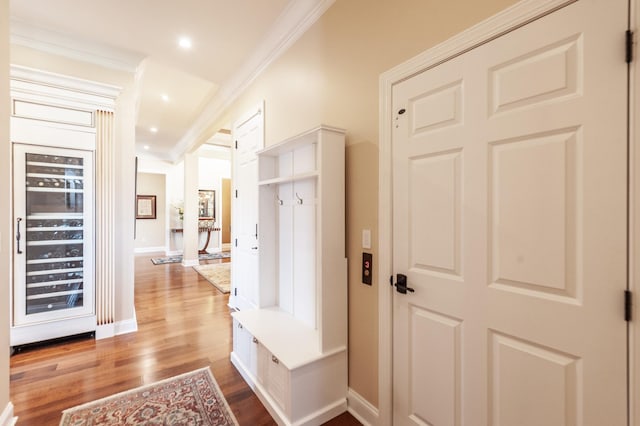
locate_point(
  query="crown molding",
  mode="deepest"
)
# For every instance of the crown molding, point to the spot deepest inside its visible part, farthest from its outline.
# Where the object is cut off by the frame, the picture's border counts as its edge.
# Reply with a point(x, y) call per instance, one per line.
point(39, 85)
point(44, 40)
point(295, 20)
point(32, 75)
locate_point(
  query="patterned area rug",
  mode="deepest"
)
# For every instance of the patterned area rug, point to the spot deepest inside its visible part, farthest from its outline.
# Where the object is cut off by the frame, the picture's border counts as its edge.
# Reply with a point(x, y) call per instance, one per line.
point(217, 274)
point(178, 258)
point(189, 399)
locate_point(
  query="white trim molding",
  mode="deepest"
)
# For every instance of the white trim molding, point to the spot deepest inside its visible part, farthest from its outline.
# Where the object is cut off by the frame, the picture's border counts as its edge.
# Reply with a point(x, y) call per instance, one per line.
point(127, 326)
point(105, 331)
point(190, 262)
point(34, 37)
point(297, 17)
point(6, 418)
point(115, 329)
point(503, 22)
point(634, 219)
point(57, 88)
point(362, 409)
point(159, 249)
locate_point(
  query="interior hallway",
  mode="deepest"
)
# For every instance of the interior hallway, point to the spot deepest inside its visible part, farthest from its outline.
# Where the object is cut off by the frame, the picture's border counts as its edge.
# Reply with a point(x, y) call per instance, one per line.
point(183, 324)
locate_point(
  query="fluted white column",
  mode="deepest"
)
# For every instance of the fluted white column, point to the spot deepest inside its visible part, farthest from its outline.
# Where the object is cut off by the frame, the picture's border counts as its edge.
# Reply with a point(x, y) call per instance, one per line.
point(105, 217)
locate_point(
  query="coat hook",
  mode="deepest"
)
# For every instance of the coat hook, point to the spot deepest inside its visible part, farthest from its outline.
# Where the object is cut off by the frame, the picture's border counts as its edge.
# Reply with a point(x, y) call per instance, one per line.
point(279, 200)
point(299, 199)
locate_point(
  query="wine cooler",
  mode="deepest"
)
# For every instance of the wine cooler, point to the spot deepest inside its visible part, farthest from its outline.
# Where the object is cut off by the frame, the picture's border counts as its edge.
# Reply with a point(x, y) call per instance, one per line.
point(53, 292)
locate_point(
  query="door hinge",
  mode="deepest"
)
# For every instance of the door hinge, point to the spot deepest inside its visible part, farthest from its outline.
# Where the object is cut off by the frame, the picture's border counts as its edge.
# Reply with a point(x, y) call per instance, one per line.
point(236, 144)
point(629, 46)
point(236, 242)
point(628, 305)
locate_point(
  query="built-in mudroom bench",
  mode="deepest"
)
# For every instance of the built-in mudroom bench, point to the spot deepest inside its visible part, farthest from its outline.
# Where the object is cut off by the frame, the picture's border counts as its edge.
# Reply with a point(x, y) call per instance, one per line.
point(292, 350)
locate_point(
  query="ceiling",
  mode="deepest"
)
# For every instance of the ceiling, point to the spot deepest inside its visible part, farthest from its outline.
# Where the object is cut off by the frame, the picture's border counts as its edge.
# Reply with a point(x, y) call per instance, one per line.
point(231, 41)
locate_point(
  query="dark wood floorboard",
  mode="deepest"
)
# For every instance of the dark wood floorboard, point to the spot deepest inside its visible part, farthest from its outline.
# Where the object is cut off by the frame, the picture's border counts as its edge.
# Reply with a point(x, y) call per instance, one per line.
point(183, 324)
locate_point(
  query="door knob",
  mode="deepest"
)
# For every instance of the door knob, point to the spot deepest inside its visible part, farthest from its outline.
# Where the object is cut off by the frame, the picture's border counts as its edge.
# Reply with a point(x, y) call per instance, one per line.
point(401, 284)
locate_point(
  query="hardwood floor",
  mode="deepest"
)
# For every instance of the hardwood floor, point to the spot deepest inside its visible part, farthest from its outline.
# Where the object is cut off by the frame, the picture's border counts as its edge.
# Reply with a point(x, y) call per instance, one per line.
point(183, 324)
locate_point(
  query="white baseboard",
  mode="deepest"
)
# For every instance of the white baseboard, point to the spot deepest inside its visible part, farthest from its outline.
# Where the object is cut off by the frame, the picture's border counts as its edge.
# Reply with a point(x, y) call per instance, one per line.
point(190, 262)
point(6, 418)
point(362, 409)
point(226, 246)
point(105, 331)
point(121, 327)
point(160, 249)
point(127, 326)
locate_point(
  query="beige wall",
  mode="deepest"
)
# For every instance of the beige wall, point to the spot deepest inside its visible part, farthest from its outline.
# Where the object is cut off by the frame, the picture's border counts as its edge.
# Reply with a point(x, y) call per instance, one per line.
point(331, 76)
point(5, 200)
point(152, 232)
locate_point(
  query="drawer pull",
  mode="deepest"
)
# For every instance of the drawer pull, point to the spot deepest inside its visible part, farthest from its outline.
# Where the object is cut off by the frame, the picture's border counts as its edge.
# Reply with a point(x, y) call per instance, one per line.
point(255, 340)
point(240, 325)
point(274, 359)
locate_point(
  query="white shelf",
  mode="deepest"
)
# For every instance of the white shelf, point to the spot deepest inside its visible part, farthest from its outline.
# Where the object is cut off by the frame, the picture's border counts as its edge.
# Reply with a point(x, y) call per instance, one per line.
point(286, 179)
point(52, 215)
point(294, 142)
point(53, 242)
point(48, 189)
point(54, 176)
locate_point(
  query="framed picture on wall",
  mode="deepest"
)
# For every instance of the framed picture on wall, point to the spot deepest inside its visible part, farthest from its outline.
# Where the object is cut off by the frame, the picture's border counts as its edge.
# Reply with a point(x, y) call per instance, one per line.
point(145, 206)
point(207, 204)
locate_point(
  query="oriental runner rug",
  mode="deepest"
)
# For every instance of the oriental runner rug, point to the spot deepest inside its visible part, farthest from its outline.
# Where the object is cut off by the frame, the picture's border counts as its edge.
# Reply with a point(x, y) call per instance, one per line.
point(188, 399)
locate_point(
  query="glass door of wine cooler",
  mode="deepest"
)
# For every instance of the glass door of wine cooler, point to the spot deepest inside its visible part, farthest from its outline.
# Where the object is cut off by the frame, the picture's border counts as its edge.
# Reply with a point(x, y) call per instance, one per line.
point(53, 212)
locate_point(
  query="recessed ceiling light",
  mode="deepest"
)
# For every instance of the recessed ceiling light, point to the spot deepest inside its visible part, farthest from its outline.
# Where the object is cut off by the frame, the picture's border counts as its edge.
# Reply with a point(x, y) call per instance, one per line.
point(185, 42)
point(153, 130)
point(146, 147)
point(165, 97)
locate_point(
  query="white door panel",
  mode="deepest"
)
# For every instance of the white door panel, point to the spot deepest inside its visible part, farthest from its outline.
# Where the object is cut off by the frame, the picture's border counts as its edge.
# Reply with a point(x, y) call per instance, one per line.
point(249, 136)
point(510, 224)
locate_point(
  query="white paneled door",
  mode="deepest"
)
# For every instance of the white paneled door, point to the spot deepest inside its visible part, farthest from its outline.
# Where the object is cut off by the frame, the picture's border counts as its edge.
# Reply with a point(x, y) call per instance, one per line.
point(248, 136)
point(510, 199)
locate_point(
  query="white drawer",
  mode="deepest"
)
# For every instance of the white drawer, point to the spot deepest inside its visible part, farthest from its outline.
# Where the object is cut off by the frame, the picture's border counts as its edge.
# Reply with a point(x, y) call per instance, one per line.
point(241, 343)
point(278, 384)
point(263, 361)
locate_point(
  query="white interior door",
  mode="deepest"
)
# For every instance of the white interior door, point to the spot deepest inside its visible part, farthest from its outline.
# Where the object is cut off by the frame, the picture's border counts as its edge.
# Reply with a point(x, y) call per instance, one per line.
point(248, 136)
point(510, 194)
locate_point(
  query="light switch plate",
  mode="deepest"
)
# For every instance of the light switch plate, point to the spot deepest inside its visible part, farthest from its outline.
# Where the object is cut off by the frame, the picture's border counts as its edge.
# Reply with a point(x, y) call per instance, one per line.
point(366, 238)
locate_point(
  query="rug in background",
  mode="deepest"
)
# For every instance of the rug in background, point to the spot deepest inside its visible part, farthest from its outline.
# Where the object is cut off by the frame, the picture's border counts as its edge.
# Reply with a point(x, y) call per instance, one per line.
point(178, 258)
point(188, 399)
point(217, 274)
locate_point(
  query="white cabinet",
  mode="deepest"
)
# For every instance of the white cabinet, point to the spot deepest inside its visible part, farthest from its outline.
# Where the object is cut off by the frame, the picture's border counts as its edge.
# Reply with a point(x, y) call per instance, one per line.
point(53, 135)
point(300, 324)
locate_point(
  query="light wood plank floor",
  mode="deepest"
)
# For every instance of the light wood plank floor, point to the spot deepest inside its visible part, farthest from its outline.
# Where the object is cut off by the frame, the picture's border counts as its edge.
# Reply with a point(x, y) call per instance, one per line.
point(183, 324)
